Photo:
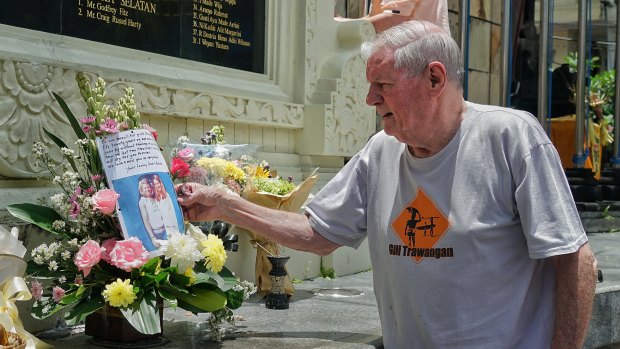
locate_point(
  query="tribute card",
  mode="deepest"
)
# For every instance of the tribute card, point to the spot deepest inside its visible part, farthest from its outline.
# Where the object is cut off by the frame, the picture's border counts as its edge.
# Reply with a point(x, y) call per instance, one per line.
point(136, 170)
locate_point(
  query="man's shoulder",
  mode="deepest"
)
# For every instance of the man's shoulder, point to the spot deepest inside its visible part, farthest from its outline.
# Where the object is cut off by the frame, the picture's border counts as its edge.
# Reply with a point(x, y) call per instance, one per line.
point(498, 111)
point(497, 115)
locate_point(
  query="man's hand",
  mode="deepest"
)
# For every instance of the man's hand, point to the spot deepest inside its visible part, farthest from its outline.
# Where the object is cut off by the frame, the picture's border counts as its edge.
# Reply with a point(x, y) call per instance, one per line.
point(199, 202)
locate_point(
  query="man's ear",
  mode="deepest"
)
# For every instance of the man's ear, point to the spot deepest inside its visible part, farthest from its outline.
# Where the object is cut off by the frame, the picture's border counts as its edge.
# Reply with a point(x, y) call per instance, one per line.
point(437, 75)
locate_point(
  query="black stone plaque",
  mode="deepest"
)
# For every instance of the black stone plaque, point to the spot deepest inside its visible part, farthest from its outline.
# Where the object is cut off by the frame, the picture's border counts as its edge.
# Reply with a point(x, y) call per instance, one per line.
point(229, 33)
point(41, 15)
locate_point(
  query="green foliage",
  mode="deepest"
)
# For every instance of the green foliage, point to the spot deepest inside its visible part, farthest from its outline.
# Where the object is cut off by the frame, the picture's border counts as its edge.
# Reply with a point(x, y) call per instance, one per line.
point(277, 186)
point(605, 213)
point(601, 89)
point(41, 216)
point(327, 273)
point(571, 60)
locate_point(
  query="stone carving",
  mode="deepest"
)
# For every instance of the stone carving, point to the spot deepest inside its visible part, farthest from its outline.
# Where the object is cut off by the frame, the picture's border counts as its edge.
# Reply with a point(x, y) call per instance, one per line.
point(26, 108)
point(350, 122)
point(191, 104)
point(311, 50)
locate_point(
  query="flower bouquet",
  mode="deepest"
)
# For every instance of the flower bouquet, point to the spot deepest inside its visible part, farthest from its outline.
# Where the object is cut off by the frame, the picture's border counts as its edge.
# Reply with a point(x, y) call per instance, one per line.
point(234, 168)
point(92, 264)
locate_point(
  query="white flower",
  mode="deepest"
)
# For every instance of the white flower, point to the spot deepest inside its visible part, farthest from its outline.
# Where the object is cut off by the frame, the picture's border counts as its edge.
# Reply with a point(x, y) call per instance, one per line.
point(53, 265)
point(82, 142)
point(58, 225)
point(39, 148)
point(65, 255)
point(67, 151)
point(247, 287)
point(182, 250)
point(58, 199)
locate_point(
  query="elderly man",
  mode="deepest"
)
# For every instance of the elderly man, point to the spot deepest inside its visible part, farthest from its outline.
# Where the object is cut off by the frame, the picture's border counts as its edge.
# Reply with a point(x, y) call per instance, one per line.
point(474, 237)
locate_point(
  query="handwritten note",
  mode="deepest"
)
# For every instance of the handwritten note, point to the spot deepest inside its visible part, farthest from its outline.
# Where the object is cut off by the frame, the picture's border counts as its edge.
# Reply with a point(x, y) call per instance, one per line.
point(130, 153)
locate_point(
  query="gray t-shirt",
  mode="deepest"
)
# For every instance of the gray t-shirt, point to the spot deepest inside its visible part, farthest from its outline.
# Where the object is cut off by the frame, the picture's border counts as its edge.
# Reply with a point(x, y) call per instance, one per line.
point(458, 240)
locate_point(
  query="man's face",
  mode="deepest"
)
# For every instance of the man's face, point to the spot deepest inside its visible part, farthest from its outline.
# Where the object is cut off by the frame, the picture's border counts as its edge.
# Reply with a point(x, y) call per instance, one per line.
point(402, 102)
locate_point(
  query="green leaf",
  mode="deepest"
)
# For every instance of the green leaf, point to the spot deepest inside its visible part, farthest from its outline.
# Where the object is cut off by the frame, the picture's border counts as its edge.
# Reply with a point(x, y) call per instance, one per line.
point(161, 276)
point(180, 280)
point(144, 317)
point(234, 299)
point(229, 278)
point(61, 144)
point(72, 120)
point(83, 308)
point(150, 266)
point(204, 299)
point(225, 280)
point(72, 297)
point(166, 295)
point(41, 216)
point(45, 307)
point(39, 270)
point(200, 299)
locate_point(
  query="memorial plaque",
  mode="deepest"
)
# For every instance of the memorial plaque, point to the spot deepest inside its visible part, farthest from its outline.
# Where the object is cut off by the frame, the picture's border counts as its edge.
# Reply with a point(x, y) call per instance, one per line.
point(229, 33)
point(225, 33)
point(41, 15)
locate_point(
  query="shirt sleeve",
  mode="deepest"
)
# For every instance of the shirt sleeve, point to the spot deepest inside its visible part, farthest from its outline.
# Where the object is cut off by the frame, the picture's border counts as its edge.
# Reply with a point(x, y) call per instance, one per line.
point(338, 211)
point(550, 219)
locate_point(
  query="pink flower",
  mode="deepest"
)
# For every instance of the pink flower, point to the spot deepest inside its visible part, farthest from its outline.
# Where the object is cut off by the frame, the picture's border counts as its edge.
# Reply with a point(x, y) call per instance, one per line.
point(105, 201)
point(88, 120)
point(179, 168)
point(109, 126)
point(129, 254)
point(108, 246)
point(123, 126)
point(36, 289)
point(150, 129)
point(75, 210)
point(57, 294)
point(186, 154)
point(88, 255)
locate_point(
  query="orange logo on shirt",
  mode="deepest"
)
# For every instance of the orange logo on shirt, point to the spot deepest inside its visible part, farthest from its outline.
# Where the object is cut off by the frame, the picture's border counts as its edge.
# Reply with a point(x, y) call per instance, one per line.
point(420, 226)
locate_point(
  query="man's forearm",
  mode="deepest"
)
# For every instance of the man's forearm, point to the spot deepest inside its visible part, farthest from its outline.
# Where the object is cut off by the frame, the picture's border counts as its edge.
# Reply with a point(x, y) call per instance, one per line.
point(287, 228)
point(575, 287)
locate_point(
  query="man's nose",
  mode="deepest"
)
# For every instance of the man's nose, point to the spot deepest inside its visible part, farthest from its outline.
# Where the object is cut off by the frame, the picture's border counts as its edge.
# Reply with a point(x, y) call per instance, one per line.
point(373, 98)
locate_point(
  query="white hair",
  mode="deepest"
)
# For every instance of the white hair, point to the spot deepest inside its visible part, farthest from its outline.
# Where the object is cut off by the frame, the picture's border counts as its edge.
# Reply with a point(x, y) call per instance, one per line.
point(415, 44)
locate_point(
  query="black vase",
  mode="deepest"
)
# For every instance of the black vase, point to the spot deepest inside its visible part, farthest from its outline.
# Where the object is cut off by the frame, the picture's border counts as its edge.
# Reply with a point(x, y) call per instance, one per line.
point(277, 298)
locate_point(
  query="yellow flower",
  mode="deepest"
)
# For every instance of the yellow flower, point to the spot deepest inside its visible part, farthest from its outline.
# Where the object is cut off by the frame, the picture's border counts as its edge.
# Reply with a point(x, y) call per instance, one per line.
point(191, 274)
point(214, 165)
point(119, 293)
point(261, 172)
point(234, 172)
point(215, 255)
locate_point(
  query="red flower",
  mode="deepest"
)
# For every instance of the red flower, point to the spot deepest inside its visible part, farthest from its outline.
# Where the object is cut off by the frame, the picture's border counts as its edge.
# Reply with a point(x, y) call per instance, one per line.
point(179, 168)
